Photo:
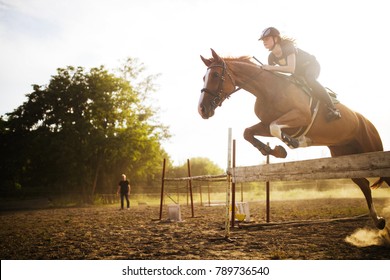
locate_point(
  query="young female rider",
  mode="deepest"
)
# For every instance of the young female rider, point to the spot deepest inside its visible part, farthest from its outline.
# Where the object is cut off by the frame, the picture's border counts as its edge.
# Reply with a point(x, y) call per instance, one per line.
point(285, 57)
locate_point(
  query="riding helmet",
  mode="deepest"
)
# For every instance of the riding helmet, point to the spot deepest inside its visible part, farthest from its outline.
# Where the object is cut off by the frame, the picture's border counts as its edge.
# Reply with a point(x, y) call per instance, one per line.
point(269, 31)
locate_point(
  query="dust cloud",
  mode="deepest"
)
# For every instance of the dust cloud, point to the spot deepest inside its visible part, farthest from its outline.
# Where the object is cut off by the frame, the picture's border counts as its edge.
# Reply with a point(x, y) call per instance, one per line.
point(365, 237)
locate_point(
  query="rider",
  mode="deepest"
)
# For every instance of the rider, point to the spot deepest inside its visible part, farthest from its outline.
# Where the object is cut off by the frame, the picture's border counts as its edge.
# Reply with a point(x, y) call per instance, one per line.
point(285, 57)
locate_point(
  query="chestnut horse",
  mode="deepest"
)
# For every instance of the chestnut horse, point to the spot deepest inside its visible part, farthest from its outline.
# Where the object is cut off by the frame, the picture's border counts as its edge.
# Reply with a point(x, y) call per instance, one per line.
point(283, 107)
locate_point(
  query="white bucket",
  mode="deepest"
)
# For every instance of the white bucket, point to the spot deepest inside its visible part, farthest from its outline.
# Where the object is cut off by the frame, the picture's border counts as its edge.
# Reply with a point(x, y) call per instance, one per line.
point(174, 213)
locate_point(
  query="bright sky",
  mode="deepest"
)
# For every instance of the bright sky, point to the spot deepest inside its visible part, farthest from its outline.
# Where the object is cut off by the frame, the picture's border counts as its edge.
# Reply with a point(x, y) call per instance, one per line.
point(349, 38)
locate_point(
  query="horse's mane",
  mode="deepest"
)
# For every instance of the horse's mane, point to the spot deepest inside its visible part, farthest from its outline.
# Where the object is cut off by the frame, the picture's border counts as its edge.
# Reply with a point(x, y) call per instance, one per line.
point(244, 59)
point(249, 61)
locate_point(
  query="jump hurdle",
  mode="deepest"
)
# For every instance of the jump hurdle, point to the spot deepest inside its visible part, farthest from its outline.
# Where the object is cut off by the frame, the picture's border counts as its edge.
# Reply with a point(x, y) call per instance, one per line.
point(375, 164)
point(189, 179)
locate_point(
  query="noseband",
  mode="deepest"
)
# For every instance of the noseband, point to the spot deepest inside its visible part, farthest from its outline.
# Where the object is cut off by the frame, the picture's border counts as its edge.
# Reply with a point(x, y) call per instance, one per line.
point(217, 95)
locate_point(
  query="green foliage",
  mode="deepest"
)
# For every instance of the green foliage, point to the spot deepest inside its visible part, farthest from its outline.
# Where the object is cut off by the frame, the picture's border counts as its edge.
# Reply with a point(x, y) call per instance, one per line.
point(83, 130)
point(199, 166)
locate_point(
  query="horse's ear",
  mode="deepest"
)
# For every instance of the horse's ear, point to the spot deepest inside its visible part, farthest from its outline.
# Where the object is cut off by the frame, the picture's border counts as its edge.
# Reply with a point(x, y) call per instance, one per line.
point(207, 62)
point(215, 55)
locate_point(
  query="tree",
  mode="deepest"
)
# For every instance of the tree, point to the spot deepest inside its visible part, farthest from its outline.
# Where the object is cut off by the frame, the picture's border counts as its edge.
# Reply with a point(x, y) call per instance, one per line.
point(80, 132)
point(199, 166)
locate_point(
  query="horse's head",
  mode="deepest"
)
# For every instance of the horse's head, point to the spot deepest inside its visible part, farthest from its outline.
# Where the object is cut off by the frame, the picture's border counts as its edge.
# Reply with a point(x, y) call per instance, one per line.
point(216, 87)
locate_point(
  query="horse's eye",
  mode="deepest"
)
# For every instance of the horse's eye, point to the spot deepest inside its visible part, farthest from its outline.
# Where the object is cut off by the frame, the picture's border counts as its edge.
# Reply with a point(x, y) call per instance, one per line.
point(216, 75)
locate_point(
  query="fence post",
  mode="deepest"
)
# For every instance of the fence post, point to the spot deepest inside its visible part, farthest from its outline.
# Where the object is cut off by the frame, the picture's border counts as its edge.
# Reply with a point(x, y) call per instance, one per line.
point(208, 192)
point(190, 186)
point(267, 193)
point(228, 185)
point(234, 186)
point(162, 188)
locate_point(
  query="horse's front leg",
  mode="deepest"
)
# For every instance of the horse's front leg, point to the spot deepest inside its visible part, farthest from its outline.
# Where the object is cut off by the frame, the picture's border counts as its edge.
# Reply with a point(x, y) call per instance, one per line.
point(263, 130)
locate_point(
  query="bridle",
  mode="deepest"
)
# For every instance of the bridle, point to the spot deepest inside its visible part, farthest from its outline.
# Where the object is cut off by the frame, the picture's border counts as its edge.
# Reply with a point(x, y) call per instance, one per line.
point(218, 97)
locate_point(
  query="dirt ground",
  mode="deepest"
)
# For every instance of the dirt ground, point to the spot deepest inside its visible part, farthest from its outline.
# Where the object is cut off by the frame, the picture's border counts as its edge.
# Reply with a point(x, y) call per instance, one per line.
point(106, 233)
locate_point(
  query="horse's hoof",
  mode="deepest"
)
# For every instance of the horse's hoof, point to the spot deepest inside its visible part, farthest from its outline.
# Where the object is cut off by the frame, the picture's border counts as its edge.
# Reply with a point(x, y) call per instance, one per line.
point(279, 152)
point(381, 223)
point(265, 150)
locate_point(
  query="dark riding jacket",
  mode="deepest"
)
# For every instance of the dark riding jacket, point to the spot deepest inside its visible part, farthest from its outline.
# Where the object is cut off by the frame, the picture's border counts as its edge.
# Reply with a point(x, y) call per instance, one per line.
point(303, 59)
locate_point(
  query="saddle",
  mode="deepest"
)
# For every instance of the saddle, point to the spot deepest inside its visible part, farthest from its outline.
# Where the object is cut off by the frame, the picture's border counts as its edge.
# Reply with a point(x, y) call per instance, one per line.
point(314, 102)
point(305, 87)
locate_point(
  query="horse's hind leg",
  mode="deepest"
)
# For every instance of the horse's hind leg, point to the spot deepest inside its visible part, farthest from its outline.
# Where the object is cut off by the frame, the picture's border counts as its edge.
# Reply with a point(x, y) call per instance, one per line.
point(387, 180)
point(364, 185)
point(379, 182)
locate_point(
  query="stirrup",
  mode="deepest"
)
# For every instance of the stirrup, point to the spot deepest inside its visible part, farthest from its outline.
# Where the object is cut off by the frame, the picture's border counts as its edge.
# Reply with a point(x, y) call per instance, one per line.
point(290, 141)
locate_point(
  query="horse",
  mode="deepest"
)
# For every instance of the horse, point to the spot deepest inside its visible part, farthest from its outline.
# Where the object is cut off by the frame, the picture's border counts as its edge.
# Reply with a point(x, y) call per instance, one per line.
point(283, 108)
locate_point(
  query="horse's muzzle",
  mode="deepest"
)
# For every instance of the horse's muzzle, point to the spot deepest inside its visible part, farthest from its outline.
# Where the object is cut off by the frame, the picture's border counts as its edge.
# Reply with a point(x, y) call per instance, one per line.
point(204, 112)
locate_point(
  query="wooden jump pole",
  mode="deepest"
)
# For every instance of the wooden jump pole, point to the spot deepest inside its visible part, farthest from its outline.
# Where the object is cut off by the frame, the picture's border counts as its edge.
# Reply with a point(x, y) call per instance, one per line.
point(208, 192)
point(234, 186)
point(374, 164)
point(267, 195)
point(228, 183)
point(200, 195)
point(190, 187)
point(162, 189)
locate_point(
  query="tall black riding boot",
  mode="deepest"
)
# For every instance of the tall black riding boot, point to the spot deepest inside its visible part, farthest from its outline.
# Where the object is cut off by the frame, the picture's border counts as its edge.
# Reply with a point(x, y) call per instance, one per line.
point(322, 94)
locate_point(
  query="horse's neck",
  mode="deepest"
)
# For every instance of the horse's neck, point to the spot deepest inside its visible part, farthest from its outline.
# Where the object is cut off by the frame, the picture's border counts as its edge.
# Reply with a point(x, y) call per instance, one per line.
point(250, 77)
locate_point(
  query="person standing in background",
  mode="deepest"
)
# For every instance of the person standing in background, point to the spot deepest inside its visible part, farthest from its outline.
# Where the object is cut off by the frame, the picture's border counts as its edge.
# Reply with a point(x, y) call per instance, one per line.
point(124, 191)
